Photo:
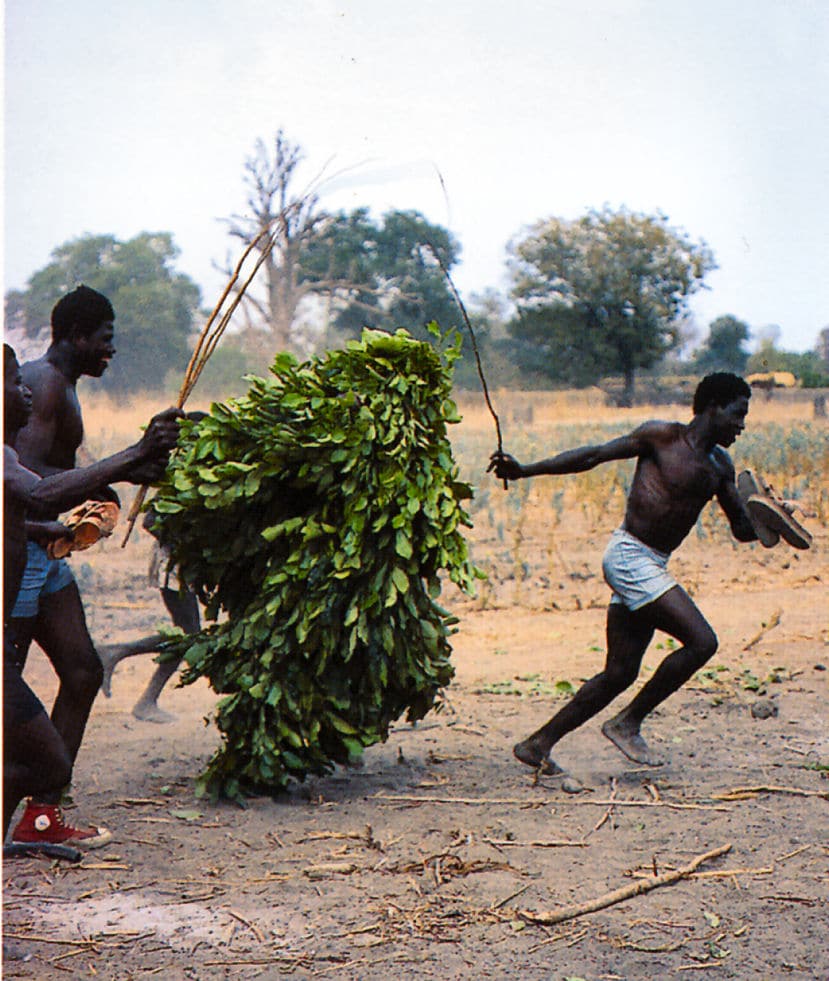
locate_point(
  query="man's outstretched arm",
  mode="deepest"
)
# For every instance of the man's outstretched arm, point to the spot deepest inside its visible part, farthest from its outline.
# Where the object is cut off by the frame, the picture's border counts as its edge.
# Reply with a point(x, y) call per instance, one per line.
point(71, 487)
point(638, 443)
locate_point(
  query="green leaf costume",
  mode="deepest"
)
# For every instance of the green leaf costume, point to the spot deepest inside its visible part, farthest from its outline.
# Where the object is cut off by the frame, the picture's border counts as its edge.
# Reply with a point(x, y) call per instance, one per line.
point(315, 517)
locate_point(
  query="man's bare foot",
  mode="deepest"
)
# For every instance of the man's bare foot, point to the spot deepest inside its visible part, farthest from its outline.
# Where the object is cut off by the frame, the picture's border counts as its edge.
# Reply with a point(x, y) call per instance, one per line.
point(150, 712)
point(628, 739)
point(531, 755)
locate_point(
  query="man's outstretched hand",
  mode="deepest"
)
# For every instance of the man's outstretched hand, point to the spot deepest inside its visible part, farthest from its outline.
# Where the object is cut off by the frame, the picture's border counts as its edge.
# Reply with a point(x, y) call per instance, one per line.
point(504, 466)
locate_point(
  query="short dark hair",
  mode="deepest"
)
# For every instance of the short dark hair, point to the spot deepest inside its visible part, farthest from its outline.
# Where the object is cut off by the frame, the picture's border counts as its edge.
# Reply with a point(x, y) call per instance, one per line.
point(719, 389)
point(8, 355)
point(83, 309)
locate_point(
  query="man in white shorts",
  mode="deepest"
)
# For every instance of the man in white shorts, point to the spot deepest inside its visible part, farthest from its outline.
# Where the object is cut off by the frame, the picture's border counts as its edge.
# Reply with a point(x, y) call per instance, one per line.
point(679, 469)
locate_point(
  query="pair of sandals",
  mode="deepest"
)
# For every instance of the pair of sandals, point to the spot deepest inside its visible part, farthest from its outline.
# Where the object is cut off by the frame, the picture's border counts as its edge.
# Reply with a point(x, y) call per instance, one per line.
point(771, 517)
point(89, 523)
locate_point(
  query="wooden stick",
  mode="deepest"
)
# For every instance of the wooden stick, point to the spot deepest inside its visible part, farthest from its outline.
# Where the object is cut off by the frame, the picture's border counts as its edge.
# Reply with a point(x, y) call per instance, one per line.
point(606, 816)
point(555, 802)
point(513, 895)
point(738, 793)
point(621, 895)
point(205, 345)
point(773, 621)
point(510, 843)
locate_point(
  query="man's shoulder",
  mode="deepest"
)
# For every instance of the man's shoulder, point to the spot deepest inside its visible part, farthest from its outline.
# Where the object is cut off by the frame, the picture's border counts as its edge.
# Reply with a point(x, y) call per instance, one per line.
point(659, 429)
point(45, 380)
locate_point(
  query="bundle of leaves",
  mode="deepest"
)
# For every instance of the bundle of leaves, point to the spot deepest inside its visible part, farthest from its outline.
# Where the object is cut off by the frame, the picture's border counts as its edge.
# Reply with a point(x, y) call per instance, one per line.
point(316, 517)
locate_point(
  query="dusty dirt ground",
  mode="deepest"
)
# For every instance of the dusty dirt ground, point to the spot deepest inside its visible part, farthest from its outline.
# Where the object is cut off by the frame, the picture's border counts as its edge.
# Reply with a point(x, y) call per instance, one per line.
point(427, 859)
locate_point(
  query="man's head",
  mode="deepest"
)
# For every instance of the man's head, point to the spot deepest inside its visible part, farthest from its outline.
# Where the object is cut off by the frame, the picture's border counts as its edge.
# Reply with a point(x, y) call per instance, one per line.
point(17, 397)
point(84, 319)
point(724, 397)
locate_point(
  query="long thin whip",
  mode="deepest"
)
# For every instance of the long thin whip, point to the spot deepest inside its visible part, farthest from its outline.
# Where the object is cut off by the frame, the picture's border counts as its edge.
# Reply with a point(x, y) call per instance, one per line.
point(206, 344)
point(475, 351)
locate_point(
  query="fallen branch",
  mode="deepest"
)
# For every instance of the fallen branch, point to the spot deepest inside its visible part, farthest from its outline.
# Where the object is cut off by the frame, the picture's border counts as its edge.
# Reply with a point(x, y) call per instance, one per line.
point(715, 873)
point(621, 895)
point(554, 802)
point(744, 793)
point(511, 843)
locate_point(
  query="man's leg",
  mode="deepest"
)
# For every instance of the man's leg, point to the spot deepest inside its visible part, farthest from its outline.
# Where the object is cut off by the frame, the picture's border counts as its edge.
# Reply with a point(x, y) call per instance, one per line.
point(676, 614)
point(60, 629)
point(112, 655)
point(628, 635)
point(35, 763)
point(183, 608)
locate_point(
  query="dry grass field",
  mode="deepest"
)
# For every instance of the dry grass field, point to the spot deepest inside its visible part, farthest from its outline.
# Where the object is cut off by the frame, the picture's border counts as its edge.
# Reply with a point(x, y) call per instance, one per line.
point(431, 859)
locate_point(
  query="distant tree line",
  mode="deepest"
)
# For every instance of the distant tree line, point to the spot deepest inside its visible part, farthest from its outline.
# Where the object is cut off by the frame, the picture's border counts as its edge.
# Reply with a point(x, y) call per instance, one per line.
point(606, 294)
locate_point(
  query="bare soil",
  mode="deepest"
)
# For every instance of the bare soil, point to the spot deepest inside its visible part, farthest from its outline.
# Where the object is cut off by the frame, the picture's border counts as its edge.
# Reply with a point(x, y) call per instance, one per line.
point(422, 862)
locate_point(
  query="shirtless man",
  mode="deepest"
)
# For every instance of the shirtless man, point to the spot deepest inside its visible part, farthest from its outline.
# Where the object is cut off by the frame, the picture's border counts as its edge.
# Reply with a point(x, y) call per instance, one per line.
point(679, 469)
point(36, 758)
point(48, 607)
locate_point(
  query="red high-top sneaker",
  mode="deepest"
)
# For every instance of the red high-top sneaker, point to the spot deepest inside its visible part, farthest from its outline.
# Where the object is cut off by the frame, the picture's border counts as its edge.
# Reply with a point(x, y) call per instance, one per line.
point(45, 823)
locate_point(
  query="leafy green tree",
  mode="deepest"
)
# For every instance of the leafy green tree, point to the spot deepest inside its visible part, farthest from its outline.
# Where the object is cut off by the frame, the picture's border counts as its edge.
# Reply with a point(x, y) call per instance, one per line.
point(612, 289)
point(387, 272)
point(724, 348)
point(155, 307)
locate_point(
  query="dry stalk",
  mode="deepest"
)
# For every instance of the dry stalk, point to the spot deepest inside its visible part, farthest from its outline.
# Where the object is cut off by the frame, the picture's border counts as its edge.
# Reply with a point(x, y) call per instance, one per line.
point(512, 843)
point(773, 621)
point(555, 802)
point(552, 917)
point(609, 812)
point(251, 926)
point(209, 337)
point(746, 793)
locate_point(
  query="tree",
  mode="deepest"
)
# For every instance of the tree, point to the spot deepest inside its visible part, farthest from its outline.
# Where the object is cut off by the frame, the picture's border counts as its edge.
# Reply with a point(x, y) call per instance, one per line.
point(384, 274)
point(367, 273)
point(822, 348)
point(155, 307)
point(611, 288)
point(723, 349)
point(294, 219)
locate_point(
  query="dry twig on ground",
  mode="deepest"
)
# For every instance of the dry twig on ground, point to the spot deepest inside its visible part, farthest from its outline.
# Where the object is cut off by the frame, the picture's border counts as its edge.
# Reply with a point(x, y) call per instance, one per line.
point(621, 895)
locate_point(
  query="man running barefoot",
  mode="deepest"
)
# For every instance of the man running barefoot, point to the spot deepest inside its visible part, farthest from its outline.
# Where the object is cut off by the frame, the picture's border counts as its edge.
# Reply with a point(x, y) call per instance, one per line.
point(183, 607)
point(679, 469)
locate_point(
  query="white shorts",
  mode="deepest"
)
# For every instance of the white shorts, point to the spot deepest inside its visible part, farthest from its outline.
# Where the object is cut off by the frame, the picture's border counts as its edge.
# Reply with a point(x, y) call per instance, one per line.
point(637, 573)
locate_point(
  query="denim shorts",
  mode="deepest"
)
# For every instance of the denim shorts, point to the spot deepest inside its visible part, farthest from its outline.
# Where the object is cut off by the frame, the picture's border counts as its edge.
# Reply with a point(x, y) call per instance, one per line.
point(42, 577)
point(636, 573)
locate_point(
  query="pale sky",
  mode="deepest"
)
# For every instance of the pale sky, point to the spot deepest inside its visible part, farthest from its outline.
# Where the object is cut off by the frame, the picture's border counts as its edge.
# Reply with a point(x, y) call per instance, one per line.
point(138, 116)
